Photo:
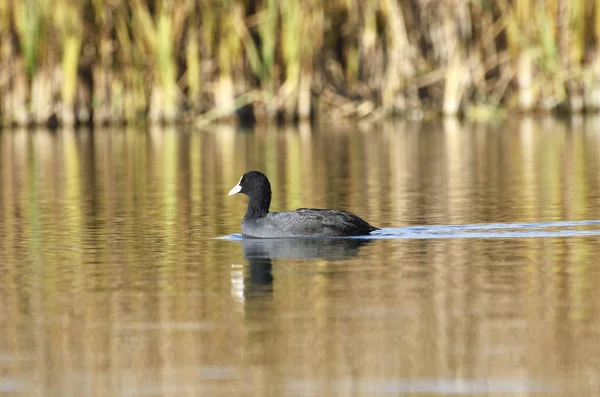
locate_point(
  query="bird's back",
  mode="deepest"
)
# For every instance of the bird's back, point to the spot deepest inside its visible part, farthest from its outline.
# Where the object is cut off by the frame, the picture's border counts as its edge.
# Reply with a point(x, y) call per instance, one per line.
point(307, 222)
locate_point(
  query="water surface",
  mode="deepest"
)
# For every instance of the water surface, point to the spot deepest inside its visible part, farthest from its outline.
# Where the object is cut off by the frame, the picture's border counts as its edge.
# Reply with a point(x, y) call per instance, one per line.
point(122, 271)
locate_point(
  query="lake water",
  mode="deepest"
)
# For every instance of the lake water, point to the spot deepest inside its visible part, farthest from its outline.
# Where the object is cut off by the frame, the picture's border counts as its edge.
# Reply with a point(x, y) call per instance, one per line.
point(122, 271)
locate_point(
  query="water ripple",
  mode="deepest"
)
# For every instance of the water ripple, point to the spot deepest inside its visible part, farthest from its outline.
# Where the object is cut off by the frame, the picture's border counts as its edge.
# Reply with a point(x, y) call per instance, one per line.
point(490, 230)
point(424, 385)
point(493, 230)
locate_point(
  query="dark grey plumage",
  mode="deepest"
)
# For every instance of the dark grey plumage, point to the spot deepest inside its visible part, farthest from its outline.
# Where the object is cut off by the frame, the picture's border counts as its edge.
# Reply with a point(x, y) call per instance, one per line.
point(259, 222)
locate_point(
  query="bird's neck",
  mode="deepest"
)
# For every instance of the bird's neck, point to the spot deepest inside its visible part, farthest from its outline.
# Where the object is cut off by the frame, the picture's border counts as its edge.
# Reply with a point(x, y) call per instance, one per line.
point(258, 205)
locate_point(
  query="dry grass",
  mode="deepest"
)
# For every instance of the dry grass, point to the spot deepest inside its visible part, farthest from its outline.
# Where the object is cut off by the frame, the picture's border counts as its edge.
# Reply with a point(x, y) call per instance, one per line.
point(115, 61)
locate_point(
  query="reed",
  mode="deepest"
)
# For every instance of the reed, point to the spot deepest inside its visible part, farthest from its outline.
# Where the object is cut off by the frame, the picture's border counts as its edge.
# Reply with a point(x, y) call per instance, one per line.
point(170, 60)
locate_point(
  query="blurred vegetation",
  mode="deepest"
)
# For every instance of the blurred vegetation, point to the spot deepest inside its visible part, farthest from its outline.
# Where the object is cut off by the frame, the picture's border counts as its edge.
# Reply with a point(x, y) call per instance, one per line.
point(116, 61)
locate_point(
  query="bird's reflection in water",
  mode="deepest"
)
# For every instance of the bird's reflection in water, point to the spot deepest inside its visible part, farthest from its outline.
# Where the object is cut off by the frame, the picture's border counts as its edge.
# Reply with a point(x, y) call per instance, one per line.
point(260, 254)
point(261, 311)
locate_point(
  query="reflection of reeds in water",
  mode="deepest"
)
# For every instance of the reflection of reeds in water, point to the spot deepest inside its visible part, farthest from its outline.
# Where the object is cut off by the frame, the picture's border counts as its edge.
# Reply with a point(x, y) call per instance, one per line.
point(170, 60)
point(107, 284)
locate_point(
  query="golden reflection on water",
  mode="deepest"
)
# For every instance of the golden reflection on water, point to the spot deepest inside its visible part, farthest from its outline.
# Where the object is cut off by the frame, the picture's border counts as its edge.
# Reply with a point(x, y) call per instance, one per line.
point(111, 282)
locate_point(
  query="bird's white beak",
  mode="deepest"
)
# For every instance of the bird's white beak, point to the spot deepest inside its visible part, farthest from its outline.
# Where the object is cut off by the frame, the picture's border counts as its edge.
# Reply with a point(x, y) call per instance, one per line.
point(236, 189)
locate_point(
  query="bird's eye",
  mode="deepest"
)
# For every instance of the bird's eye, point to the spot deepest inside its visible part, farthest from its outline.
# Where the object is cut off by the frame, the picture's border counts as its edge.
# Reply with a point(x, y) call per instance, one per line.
point(246, 180)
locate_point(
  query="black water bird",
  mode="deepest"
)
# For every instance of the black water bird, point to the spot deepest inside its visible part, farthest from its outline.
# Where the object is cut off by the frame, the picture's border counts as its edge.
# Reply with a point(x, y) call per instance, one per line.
point(304, 222)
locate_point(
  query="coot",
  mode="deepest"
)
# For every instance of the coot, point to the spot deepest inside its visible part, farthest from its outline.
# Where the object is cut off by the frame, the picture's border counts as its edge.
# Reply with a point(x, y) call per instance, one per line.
point(311, 222)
